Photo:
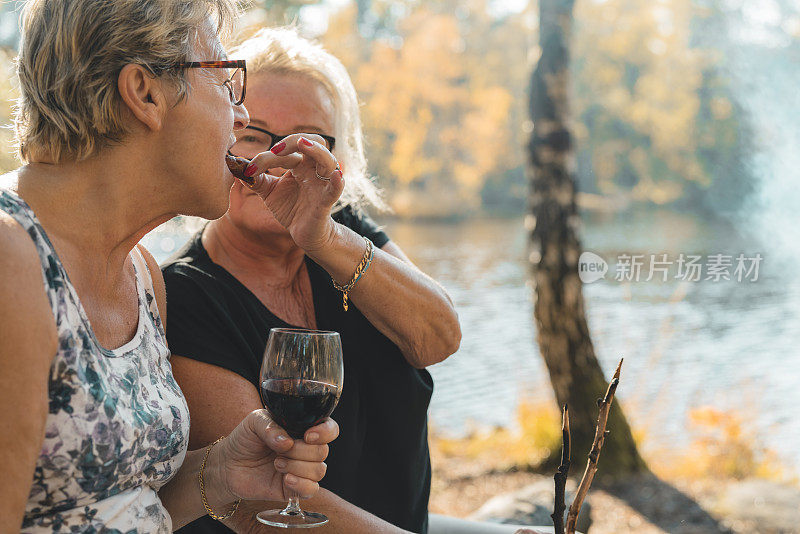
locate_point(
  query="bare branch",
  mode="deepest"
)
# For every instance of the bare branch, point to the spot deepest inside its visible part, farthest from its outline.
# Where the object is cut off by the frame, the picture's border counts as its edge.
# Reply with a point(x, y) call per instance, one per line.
point(561, 475)
point(594, 454)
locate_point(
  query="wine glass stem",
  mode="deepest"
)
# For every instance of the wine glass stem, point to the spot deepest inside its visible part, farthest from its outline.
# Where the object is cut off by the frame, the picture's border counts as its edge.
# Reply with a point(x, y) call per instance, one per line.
point(293, 508)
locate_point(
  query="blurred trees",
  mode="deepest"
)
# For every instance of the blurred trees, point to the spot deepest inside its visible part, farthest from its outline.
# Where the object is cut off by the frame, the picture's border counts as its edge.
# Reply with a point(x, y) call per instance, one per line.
point(279, 12)
point(656, 116)
point(440, 86)
point(8, 93)
point(443, 86)
point(656, 119)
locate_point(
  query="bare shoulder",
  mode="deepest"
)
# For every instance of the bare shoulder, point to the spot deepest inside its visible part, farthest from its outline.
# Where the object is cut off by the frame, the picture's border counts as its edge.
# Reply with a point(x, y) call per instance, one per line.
point(28, 344)
point(158, 283)
point(19, 252)
point(25, 313)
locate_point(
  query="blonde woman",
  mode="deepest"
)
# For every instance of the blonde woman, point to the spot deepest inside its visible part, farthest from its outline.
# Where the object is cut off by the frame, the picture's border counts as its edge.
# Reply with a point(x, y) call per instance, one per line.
point(256, 268)
point(127, 109)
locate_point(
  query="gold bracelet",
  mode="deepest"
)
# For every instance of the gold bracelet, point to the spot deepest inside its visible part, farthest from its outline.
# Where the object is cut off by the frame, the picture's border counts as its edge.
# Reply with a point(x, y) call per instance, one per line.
point(203, 489)
point(360, 270)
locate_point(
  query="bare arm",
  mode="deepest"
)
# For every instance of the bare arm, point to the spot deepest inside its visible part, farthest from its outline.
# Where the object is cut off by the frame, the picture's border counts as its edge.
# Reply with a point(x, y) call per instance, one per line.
point(181, 495)
point(245, 465)
point(405, 304)
point(28, 344)
point(217, 400)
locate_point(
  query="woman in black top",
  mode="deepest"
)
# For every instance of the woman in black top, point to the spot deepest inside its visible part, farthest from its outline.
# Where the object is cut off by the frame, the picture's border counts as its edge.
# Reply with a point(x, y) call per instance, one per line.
point(258, 268)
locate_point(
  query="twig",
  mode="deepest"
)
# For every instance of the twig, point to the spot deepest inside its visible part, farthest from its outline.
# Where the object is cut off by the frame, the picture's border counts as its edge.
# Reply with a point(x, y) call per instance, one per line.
point(591, 466)
point(561, 475)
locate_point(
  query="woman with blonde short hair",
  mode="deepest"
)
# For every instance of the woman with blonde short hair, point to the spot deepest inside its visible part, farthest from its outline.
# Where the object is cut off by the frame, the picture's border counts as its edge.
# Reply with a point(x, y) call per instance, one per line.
point(127, 110)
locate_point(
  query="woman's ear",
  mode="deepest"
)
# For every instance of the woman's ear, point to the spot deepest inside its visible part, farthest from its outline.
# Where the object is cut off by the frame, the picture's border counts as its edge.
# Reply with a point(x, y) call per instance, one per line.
point(143, 95)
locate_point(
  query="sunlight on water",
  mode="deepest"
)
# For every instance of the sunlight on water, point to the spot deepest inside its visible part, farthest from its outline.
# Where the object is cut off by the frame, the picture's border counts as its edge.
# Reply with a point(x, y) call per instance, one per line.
point(733, 345)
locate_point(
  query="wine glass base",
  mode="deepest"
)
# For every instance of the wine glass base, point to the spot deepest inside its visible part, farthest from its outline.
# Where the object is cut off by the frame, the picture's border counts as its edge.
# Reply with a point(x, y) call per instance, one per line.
point(282, 519)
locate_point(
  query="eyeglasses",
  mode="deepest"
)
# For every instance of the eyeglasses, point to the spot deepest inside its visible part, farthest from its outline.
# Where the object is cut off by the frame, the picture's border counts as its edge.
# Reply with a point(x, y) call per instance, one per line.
point(236, 84)
point(254, 140)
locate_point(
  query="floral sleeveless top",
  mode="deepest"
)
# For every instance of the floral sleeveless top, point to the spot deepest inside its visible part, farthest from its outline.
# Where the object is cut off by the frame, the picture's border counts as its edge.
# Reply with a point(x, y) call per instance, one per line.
point(118, 424)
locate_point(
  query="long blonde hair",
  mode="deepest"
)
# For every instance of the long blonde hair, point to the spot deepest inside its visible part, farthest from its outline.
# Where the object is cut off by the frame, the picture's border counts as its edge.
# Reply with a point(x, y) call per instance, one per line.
point(283, 51)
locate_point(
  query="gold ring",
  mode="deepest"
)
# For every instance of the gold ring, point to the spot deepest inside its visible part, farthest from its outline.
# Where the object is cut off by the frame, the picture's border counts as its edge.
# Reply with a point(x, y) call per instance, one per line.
point(324, 179)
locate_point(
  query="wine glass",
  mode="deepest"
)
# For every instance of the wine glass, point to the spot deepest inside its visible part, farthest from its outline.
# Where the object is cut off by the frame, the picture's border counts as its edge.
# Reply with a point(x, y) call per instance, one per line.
point(300, 382)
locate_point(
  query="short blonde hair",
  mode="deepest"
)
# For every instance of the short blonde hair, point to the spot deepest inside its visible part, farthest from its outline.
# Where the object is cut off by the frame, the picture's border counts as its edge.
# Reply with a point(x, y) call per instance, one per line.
point(71, 53)
point(283, 51)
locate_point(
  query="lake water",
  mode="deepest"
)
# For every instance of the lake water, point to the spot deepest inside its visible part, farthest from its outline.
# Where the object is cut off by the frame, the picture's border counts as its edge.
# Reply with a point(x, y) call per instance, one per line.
point(728, 344)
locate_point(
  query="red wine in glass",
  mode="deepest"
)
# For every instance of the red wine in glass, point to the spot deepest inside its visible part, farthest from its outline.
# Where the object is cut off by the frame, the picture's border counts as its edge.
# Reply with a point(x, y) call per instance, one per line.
point(297, 404)
point(300, 383)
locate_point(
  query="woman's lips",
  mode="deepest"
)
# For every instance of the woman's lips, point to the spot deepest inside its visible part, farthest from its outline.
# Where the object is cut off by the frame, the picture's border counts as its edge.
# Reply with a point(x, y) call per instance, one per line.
point(237, 166)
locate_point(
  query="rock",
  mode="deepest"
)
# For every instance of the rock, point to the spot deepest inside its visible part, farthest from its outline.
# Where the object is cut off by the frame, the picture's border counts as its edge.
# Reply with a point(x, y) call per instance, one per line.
point(773, 507)
point(531, 505)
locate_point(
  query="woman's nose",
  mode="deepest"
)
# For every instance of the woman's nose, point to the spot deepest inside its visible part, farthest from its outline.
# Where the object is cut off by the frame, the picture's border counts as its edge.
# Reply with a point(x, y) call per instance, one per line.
point(241, 118)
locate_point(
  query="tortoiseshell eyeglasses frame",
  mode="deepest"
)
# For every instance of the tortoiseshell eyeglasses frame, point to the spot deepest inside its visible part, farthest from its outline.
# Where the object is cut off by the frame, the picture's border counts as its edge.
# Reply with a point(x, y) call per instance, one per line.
point(228, 64)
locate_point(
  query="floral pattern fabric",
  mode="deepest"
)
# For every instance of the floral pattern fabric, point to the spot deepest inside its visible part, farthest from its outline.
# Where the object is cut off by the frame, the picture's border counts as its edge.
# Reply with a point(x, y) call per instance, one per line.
point(118, 424)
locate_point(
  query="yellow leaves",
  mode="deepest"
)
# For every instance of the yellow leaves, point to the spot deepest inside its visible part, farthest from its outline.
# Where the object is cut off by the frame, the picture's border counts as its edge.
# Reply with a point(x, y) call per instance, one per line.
point(610, 75)
point(666, 107)
point(720, 448)
point(437, 119)
point(9, 91)
point(407, 161)
point(659, 192)
point(637, 74)
point(537, 432)
point(722, 445)
point(494, 101)
point(483, 134)
point(721, 108)
point(606, 169)
point(445, 98)
point(340, 37)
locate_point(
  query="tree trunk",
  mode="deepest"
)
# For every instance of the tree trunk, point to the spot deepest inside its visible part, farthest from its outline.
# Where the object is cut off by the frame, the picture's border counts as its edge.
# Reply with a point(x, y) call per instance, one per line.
point(553, 221)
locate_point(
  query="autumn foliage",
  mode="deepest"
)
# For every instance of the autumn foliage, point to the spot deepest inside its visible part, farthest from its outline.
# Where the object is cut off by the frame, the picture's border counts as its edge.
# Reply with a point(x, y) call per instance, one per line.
point(444, 92)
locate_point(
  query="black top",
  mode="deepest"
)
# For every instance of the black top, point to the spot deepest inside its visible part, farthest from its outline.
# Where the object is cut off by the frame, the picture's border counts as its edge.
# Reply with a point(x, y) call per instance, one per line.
point(380, 460)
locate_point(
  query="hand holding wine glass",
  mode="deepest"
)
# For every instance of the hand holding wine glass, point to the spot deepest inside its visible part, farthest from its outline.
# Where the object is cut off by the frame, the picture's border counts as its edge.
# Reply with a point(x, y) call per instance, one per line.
point(260, 461)
point(301, 379)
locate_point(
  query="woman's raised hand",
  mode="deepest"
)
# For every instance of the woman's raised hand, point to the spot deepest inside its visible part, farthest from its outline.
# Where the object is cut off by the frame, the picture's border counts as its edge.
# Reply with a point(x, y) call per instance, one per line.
point(302, 197)
point(258, 460)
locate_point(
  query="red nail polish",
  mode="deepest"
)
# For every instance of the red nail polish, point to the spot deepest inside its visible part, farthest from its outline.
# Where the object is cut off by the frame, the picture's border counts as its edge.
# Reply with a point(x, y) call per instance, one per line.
point(250, 170)
point(306, 142)
point(278, 148)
